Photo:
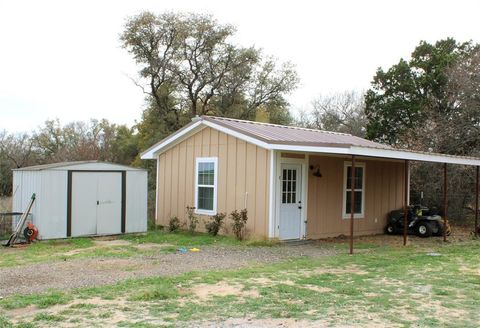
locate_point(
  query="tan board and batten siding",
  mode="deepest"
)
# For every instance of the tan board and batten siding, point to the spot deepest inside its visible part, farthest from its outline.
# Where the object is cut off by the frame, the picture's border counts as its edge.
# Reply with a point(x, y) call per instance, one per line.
point(243, 178)
point(384, 192)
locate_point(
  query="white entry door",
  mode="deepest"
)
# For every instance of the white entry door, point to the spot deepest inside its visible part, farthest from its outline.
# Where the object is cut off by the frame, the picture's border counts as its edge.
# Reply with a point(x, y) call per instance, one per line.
point(290, 225)
point(96, 203)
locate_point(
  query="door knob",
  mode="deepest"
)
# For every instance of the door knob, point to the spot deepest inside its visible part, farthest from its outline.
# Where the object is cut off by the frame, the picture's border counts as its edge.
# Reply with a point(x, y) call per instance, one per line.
point(98, 203)
point(299, 207)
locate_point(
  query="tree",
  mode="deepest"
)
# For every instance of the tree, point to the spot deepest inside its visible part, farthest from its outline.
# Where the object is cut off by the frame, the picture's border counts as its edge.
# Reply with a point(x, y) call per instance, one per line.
point(189, 66)
point(340, 112)
point(431, 103)
point(16, 151)
point(94, 140)
point(400, 98)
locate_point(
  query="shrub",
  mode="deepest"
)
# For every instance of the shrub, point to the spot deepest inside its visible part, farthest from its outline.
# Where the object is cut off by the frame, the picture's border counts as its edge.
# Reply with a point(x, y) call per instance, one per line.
point(215, 224)
point(173, 224)
point(239, 223)
point(192, 219)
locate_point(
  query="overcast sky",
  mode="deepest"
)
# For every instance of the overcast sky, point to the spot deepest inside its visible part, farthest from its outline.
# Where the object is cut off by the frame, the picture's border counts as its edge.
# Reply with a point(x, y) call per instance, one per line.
point(62, 59)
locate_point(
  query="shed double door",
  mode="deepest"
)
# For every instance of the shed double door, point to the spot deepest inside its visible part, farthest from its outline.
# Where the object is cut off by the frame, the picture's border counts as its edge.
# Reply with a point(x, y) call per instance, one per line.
point(96, 203)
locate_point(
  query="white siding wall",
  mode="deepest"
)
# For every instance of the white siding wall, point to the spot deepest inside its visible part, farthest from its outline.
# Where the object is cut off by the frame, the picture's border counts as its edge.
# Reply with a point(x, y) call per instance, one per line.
point(52, 202)
point(25, 183)
point(49, 212)
point(136, 202)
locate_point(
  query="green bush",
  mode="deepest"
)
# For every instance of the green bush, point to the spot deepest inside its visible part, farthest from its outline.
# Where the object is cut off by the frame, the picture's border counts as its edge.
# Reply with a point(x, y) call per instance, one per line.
point(239, 223)
point(215, 224)
point(174, 224)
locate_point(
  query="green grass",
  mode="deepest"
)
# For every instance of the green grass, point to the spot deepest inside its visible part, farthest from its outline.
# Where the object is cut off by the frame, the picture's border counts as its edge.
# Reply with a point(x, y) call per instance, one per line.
point(393, 286)
point(74, 248)
point(181, 238)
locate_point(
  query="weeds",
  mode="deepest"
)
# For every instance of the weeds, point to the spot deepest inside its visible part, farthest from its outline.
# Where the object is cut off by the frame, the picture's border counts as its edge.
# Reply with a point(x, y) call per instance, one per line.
point(215, 224)
point(174, 224)
point(239, 223)
point(192, 219)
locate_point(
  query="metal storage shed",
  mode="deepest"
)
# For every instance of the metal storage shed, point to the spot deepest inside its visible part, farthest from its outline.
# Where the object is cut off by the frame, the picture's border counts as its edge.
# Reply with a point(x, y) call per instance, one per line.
point(83, 198)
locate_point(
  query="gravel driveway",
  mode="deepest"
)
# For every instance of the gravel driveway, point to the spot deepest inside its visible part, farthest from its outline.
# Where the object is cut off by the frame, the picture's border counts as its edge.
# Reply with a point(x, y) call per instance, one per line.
point(73, 273)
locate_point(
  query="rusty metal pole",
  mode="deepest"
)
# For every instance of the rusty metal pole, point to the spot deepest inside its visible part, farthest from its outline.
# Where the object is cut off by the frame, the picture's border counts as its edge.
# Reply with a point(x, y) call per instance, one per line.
point(476, 204)
point(445, 201)
point(405, 206)
point(352, 201)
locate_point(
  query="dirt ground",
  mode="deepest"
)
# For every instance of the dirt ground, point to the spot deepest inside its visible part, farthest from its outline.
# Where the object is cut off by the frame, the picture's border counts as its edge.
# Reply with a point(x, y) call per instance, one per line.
point(77, 273)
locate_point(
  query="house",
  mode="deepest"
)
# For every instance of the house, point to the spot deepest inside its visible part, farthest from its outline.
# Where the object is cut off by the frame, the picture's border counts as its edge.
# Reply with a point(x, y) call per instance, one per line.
point(82, 198)
point(294, 182)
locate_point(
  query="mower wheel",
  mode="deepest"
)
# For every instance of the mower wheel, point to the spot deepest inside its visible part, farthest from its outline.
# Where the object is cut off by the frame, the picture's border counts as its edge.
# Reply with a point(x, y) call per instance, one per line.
point(390, 229)
point(423, 229)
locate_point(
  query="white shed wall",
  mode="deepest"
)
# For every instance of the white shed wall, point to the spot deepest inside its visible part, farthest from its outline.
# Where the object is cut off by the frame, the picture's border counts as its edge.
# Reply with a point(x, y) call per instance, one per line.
point(25, 183)
point(52, 203)
point(49, 212)
point(136, 202)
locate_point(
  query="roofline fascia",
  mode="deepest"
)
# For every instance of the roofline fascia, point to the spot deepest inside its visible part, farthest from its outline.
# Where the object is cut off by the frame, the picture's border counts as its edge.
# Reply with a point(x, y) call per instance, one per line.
point(414, 156)
point(155, 150)
point(238, 135)
point(152, 152)
point(383, 153)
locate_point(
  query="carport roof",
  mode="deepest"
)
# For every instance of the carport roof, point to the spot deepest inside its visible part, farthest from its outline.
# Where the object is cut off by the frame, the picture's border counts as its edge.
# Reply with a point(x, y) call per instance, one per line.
point(288, 138)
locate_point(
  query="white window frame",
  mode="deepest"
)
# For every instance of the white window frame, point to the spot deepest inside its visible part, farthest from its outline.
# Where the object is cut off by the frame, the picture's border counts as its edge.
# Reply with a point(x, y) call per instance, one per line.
point(213, 160)
point(346, 215)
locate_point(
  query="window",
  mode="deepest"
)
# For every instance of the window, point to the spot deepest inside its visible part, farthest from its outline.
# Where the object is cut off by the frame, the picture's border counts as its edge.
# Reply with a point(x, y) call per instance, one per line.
point(206, 186)
point(359, 188)
point(289, 186)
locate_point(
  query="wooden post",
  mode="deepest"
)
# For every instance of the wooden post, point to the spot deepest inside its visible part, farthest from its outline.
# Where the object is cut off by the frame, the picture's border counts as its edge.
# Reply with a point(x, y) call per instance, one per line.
point(352, 201)
point(476, 205)
point(445, 201)
point(405, 205)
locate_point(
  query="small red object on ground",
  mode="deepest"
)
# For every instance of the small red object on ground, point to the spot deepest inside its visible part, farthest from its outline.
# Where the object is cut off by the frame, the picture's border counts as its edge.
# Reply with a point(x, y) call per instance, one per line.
point(30, 232)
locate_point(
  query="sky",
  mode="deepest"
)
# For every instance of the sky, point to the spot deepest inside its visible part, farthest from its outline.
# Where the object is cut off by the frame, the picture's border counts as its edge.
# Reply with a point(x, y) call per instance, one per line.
point(62, 59)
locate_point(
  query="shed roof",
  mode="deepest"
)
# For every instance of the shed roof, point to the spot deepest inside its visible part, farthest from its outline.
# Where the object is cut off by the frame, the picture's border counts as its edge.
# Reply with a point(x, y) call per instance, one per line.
point(77, 165)
point(288, 138)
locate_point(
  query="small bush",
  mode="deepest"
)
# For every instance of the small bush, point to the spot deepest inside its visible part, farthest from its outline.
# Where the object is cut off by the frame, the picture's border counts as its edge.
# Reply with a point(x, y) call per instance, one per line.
point(192, 219)
point(215, 224)
point(173, 224)
point(239, 223)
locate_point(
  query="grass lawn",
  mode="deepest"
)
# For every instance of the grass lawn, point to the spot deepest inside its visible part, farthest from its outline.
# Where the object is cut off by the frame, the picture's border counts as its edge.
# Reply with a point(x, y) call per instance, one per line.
point(379, 286)
point(50, 250)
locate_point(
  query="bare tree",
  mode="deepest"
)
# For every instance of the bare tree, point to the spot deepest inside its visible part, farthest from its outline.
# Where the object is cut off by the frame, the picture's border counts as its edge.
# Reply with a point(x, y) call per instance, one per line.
point(190, 67)
point(339, 112)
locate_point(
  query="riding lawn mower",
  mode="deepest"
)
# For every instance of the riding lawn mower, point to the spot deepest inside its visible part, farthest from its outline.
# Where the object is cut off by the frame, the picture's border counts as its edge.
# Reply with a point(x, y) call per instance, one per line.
point(421, 221)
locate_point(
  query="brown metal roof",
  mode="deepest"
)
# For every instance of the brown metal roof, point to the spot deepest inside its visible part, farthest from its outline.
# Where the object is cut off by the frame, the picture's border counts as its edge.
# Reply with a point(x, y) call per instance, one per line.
point(281, 134)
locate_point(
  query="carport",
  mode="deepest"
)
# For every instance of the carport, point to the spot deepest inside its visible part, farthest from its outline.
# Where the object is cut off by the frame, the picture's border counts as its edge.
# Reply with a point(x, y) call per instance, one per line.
point(408, 156)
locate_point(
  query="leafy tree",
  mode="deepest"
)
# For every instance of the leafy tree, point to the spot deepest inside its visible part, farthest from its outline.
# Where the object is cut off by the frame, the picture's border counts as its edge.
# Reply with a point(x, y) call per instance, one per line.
point(431, 103)
point(404, 99)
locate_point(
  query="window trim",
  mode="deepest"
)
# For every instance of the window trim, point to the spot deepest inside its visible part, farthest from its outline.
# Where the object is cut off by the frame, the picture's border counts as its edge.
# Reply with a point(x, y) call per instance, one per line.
point(346, 215)
point(213, 160)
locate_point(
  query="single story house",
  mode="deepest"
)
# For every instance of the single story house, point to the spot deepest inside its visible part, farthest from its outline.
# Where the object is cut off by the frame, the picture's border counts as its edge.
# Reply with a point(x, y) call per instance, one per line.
point(294, 182)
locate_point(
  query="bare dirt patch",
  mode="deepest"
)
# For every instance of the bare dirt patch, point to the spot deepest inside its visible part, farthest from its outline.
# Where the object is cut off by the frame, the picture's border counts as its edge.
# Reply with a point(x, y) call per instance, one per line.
point(111, 242)
point(353, 269)
point(151, 246)
point(207, 291)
